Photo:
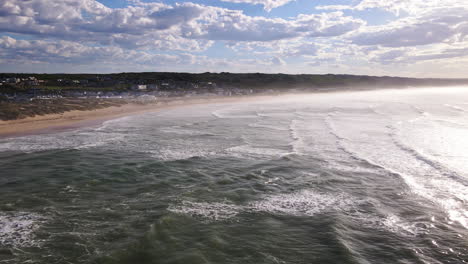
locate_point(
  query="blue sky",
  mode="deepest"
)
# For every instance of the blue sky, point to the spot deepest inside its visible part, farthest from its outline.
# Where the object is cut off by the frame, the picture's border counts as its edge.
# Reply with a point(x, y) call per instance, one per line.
point(400, 38)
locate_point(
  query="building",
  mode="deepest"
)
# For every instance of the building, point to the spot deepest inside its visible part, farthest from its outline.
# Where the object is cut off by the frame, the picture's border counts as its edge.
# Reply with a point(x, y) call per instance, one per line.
point(32, 81)
point(13, 80)
point(139, 87)
point(153, 87)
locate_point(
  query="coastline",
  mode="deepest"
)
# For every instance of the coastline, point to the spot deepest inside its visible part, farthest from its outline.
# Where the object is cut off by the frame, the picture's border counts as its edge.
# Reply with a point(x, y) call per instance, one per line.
point(70, 120)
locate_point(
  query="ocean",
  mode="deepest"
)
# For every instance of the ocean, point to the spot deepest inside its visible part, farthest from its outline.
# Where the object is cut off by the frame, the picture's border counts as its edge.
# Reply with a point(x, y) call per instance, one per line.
point(350, 177)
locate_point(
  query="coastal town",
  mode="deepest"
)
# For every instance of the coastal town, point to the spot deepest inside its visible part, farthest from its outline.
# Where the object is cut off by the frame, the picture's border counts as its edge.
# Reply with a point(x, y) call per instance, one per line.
point(153, 85)
point(31, 88)
point(28, 95)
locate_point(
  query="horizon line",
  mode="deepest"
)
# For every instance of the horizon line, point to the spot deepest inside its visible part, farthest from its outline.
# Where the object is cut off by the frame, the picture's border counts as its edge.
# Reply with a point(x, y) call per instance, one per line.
point(264, 73)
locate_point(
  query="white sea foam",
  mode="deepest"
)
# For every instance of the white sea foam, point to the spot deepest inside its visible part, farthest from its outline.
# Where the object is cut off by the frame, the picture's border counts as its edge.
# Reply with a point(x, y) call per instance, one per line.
point(444, 188)
point(267, 126)
point(91, 140)
point(66, 140)
point(109, 124)
point(217, 114)
point(392, 223)
point(212, 211)
point(297, 143)
point(422, 175)
point(452, 123)
point(17, 229)
point(305, 202)
point(179, 130)
point(456, 108)
point(232, 113)
point(172, 154)
point(397, 225)
point(420, 111)
point(419, 155)
point(301, 203)
point(272, 181)
point(260, 114)
point(249, 151)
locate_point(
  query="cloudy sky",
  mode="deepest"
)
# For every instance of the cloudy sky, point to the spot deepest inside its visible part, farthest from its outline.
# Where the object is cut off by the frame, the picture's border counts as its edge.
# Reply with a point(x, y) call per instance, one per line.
point(421, 38)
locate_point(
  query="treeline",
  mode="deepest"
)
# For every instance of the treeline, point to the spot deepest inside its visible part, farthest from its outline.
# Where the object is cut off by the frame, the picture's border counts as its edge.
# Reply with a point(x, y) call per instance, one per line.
point(263, 80)
point(243, 80)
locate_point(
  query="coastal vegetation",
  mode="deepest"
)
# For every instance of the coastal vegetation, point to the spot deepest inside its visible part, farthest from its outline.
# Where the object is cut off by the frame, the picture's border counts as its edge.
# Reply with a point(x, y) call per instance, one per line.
point(19, 110)
point(124, 81)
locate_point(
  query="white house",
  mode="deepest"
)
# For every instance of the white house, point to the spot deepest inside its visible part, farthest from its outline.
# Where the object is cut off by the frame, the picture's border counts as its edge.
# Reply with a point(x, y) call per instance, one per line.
point(139, 87)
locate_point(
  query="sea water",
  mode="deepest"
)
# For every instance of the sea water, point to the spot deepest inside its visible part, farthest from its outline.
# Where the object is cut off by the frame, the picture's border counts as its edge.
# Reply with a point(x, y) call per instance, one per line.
point(358, 177)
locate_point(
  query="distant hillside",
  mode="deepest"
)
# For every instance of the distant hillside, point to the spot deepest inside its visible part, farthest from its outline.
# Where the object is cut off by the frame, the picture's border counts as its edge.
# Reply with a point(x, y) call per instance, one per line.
point(230, 80)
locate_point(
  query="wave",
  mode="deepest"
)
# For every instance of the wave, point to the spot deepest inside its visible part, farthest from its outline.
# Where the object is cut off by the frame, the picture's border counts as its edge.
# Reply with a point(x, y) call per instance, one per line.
point(259, 114)
point(308, 114)
point(444, 171)
point(179, 130)
point(272, 127)
point(410, 180)
point(454, 107)
point(301, 203)
point(397, 225)
point(67, 140)
point(297, 144)
point(106, 125)
point(99, 139)
point(272, 181)
point(226, 114)
point(217, 114)
point(392, 223)
point(213, 211)
point(249, 151)
point(451, 123)
point(18, 229)
point(342, 146)
point(420, 110)
point(168, 154)
point(395, 137)
point(444, 187)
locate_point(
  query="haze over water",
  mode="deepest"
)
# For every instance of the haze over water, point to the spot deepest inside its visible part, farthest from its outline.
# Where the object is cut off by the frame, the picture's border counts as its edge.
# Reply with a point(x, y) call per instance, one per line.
point(362, 177)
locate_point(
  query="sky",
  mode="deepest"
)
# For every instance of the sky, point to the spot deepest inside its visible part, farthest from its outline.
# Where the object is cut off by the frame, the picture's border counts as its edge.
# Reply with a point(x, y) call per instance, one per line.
point(413, 38)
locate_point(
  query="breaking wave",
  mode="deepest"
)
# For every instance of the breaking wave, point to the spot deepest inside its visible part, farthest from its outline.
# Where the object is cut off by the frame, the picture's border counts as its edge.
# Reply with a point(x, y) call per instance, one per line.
point(17, 229)
point(301, 203)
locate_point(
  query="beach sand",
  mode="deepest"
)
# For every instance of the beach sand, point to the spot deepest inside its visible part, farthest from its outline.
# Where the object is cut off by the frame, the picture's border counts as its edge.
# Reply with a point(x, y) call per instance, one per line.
point(73, 119)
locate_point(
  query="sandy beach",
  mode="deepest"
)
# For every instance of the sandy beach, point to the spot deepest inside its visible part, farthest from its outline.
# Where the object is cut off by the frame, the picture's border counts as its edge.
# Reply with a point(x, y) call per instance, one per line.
point(73, 119)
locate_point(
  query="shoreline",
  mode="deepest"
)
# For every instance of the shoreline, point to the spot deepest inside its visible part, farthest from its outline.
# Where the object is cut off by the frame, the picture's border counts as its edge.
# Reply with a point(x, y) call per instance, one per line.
point(52, 123)
point(70, 120)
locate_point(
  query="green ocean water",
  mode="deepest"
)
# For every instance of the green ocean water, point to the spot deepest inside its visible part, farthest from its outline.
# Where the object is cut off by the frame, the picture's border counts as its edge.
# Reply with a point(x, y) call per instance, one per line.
point(332, 178)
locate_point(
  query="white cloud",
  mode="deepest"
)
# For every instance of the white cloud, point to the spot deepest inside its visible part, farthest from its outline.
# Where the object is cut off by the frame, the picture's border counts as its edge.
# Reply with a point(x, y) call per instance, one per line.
point(278, 61)
point(399, 7)
point(24, 51)
point(41, 54)
point(267, 4)
point(153, 25)
point(283, 48)
point(85, 31)
point(223, 24)
point(432, 53)
point(429, 30)
point(421, 22)
point(147, 35)
point(420, 33)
